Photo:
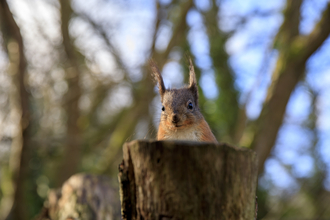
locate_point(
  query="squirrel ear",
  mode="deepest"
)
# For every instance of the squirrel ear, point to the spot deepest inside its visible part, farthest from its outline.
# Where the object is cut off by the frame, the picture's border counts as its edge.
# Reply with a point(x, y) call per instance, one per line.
point(192, 80)
point(157, 77)
point(192, 75)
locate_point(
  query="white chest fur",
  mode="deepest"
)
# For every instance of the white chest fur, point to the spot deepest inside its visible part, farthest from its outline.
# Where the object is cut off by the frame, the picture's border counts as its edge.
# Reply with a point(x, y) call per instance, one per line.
point(184, 134)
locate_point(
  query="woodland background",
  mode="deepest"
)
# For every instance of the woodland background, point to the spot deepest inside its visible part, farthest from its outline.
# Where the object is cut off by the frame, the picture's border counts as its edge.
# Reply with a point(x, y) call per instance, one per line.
point(75, 85)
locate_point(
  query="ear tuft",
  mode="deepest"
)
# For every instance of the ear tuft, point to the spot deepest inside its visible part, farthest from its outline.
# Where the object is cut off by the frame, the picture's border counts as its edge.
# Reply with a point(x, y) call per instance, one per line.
point(192, 80)
point(192, 75)
point(155, 73)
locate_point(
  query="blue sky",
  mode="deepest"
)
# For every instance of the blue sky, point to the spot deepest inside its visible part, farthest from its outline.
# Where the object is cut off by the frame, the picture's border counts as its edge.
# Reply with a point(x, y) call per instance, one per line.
point(251, 58)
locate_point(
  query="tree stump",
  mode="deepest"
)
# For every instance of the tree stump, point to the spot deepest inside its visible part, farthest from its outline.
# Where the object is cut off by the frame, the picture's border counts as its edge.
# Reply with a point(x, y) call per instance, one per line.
point(84, 197)
point(187, 180)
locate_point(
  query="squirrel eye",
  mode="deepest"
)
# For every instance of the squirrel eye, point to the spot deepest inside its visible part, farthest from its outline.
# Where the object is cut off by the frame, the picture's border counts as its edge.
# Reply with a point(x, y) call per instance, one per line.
point(163, 108)
point(190, 106)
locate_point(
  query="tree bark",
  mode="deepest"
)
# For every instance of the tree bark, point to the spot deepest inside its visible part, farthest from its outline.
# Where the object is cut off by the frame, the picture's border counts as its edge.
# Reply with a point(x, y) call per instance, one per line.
point(187, 180)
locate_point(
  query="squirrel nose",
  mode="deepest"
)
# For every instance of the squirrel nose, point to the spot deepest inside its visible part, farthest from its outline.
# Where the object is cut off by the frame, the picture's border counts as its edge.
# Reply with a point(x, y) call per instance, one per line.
point(175, 119)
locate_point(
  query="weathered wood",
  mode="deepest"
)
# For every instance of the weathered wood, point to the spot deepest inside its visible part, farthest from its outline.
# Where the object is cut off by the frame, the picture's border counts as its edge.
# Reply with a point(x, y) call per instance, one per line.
point(187, 180)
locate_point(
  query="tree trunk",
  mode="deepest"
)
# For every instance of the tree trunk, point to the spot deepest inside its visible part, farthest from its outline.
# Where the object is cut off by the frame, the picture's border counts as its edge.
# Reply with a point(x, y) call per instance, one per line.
point(187, 180)
point(71, 158)
point(14, 203)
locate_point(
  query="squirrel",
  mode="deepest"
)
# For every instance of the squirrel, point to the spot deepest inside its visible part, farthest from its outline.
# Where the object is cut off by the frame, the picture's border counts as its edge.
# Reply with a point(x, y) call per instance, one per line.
point(181, 118)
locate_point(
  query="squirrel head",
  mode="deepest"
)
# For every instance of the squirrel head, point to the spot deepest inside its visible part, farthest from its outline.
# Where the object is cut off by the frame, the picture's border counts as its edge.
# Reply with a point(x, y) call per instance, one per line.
point(179, 106)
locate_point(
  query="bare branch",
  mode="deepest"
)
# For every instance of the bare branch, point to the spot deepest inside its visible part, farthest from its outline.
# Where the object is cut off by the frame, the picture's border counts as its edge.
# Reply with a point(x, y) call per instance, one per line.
point(288, 72)
point(178, 35)
point(99, 29)
point(309, 44)
point(290, 27)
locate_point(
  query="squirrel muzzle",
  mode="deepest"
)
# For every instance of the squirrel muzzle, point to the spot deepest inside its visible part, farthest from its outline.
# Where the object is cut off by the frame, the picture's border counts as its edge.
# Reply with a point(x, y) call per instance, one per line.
point(175, 119)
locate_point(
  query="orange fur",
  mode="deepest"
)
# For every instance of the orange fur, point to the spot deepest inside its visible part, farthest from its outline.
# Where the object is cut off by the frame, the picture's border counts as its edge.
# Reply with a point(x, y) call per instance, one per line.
point(161, 133)
point(207, 135)
point(181, 118)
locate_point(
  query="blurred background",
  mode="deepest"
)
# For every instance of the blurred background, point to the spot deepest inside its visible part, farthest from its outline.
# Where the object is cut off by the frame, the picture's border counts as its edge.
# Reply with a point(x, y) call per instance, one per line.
point(75, 85)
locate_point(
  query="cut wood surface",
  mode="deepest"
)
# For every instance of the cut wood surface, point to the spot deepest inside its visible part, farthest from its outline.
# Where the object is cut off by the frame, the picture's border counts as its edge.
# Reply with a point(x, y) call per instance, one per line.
point(187, 180)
